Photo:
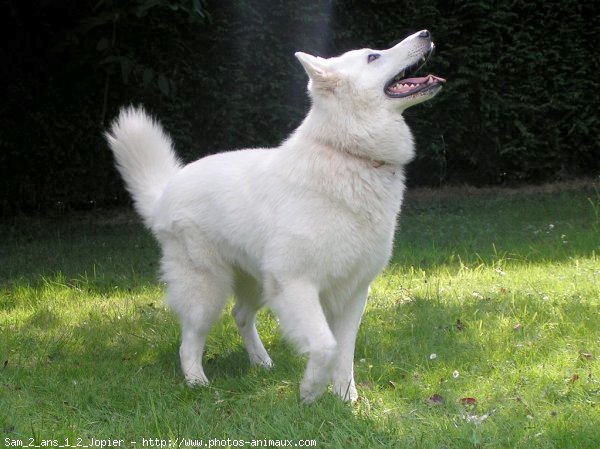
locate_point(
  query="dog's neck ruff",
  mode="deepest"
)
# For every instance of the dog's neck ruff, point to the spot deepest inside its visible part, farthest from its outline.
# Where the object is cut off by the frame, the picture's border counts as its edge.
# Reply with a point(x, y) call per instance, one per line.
point(345, 143)
point(375, 163)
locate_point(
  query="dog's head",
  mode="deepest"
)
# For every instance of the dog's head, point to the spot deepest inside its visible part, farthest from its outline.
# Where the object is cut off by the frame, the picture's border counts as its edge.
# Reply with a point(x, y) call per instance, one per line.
point(383, 77)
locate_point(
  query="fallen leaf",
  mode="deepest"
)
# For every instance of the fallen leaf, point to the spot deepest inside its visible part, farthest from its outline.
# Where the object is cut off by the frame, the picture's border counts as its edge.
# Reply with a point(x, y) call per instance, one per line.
point(468, 401)
point(518, 327)
point(586, 355)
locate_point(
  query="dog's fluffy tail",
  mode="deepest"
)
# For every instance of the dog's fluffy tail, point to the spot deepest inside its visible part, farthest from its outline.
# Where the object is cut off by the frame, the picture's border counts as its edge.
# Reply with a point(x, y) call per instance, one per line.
point(144, 156)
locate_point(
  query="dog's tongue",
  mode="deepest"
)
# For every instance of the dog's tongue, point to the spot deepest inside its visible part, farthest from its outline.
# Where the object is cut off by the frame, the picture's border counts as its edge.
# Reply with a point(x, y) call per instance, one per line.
point(406, 85)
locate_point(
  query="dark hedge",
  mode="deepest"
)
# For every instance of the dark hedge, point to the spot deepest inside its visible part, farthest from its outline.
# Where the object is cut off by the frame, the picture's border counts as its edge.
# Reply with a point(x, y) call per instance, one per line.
point(521, 103)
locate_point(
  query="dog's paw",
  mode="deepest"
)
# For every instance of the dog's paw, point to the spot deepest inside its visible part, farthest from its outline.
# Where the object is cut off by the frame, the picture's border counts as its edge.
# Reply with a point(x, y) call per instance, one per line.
point(346, 391)
point(196, 380)
point(310, 392)
point(308, 398)
point(265, 363)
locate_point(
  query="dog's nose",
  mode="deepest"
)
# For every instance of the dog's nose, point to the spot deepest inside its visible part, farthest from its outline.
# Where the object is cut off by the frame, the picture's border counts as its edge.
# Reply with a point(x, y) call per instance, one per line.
point(425, 34)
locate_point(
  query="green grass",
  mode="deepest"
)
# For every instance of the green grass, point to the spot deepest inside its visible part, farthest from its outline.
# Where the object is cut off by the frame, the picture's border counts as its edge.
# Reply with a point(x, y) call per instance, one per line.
point(504, 290)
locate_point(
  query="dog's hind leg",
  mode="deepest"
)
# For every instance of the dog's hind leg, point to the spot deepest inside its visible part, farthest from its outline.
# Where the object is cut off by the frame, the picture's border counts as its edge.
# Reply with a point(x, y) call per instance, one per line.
point(296, 303)
point(248, 301)
point(198, 296)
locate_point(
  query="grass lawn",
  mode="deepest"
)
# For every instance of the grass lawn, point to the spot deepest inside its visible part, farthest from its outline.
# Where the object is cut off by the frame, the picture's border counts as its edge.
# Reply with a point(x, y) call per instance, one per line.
point(484, 332)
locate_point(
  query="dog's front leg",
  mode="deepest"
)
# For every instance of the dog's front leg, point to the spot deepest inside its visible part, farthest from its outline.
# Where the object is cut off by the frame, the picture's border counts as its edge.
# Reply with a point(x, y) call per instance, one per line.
point(303, 321)
point(345, 328)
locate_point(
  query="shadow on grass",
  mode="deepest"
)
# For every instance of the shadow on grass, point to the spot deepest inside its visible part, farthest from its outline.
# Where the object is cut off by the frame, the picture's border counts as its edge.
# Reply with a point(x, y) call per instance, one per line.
point(529, 228)
point(79, 250)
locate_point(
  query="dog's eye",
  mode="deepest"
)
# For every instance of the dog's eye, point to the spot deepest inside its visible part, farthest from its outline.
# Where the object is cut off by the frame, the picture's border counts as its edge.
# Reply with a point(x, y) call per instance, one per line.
point(372, 57)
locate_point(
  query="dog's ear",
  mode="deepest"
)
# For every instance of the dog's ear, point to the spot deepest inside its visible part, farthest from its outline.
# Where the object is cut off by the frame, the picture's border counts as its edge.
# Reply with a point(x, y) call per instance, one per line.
point(322, 76)
point(313, 65)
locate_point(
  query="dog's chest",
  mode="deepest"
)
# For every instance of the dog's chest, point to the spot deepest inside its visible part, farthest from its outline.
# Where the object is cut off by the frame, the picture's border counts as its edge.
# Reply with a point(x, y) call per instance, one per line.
point(334, 234)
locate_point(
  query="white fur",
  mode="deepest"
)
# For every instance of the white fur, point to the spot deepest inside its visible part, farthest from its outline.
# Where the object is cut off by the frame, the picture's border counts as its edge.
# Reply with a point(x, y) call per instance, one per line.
point(303, 228)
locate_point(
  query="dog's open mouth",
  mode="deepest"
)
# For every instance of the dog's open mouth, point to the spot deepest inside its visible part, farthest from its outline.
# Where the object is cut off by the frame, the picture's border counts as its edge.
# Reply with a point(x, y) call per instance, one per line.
point(402, 85)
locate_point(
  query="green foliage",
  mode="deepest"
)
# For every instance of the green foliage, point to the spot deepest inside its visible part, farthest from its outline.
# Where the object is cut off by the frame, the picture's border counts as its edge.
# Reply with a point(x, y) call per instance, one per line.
point(521, 103)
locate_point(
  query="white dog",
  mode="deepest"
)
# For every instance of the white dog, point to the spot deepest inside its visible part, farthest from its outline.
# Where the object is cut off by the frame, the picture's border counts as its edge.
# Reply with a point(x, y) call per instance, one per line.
point(303, 228)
